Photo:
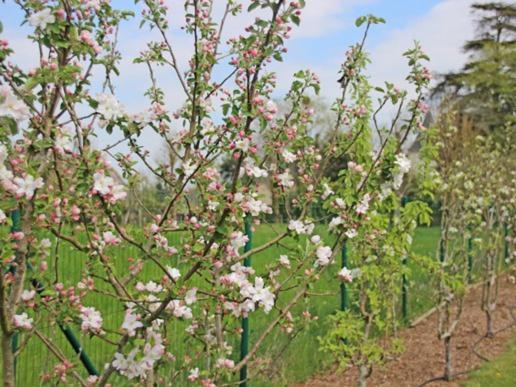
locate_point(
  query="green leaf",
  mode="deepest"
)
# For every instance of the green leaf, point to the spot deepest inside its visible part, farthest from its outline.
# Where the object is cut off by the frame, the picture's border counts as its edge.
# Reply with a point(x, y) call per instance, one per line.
point(252, 6)
point(10, 124)
point(361, 20)
point(278, 57)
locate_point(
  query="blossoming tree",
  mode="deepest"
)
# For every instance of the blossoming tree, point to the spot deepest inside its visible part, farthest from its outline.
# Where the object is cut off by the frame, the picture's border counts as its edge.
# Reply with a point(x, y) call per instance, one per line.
point(67, 191)
point(492, 206)
point(379, 233)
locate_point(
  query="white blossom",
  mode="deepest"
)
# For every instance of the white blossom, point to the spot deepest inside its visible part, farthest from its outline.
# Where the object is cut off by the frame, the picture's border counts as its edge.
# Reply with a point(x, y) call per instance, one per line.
point(11, 106)
point(109, 107)
point(285, 180)
point(335, 222)
point(28, 295)
point(91, 320)
point(238, 240)
point(363, 206)
point(179, 309)
point(3, 217)
point(289, 157)
point(252, 170)
point(107, 188)
point(256, 207)
point(284, 261)
point(351, 233)
point(27, 185)
point(151, 287)
point(259, 294)
point(191, 296)
point(193, 375)
point(327, 191)
point(323, 254)
point(42, 18)
point(403, 163)
point(131, 322)
point(22, 321)
point(173, 272)
point(301, 228)
point(345, 275)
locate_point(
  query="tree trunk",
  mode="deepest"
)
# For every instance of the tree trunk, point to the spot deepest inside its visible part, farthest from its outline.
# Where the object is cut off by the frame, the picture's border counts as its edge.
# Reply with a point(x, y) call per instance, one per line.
point(8, 360)
point(365, 372)
point(489, 322)
point(447, 359)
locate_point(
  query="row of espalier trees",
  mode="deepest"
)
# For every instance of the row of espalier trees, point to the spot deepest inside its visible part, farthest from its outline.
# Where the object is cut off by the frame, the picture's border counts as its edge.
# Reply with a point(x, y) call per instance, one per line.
point(476, 179)
point(55, 183)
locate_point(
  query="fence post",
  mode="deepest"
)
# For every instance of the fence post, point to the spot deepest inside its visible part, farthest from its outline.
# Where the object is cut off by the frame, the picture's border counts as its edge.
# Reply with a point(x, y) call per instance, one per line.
point(244, 341)
point(344, 297)
point(505, 243)
point(470, 258)
point(404, 281)
point(76, 345)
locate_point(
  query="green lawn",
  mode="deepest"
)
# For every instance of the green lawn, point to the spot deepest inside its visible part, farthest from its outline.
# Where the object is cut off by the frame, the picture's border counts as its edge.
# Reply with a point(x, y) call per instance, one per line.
point(294, 362)
point(500, 372)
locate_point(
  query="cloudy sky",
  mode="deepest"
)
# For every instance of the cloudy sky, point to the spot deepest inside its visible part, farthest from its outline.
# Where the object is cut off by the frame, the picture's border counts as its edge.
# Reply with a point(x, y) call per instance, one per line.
point(327, 29)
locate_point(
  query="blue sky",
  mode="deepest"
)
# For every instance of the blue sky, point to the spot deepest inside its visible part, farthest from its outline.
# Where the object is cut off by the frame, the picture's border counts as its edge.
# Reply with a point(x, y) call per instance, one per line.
point(326, 30)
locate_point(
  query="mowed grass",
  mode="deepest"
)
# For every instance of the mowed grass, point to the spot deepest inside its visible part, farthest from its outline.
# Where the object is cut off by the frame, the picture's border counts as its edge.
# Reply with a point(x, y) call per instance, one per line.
point(283, 360)
point(501, 372)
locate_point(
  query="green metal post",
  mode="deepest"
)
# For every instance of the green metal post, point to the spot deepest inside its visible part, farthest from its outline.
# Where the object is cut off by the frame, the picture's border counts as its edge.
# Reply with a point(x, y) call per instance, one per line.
point(470, 258)
point(244, 341)
point(16, 219)
point(505, 243)
point(404, 281)
point(344, 297)
point(76, 345)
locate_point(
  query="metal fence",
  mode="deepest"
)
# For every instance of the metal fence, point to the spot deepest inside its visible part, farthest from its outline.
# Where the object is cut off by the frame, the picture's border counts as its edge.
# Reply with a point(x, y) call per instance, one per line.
point(35, 360)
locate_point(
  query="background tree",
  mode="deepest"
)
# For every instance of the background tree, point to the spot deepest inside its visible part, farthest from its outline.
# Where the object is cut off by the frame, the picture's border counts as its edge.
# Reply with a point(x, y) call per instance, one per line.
point(485, 88)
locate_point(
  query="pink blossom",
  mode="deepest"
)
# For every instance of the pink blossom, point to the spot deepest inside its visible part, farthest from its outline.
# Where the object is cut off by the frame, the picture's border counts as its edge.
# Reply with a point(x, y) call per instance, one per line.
point(22, 321)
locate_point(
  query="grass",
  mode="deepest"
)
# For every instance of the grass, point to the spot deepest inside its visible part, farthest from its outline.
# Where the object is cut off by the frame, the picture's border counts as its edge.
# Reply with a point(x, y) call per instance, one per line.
point(293, 362)
point(501, 372)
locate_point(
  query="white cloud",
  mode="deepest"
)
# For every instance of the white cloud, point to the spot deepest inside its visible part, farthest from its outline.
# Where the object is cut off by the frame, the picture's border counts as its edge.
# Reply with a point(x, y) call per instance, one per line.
point(441, 32)
point(322, 17)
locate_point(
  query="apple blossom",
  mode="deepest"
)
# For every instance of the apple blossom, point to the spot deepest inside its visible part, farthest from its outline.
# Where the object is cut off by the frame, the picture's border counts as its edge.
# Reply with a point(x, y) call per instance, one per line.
point(191, 296)
point(345, 275)
point(42, 18)
point(28, 295)
point(284, 261)
point(299, 227)
point(403, 163)
point(285, 179)
point(109, 107)
point(11, 106)
point(91, 320)
point(131, 322)
point(22, 321)
point(323, 254)
point(26, 186)
point(173, 273)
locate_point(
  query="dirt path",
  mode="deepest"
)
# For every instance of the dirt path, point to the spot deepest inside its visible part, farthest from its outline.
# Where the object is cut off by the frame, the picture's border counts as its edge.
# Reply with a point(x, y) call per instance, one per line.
point(423, 356)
